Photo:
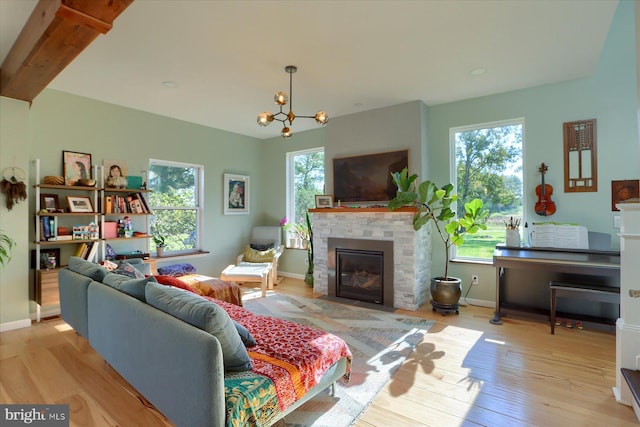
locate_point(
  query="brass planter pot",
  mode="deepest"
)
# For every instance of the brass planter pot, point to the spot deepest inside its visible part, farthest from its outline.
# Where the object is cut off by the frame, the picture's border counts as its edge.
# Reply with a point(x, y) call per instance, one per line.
point(445, 294)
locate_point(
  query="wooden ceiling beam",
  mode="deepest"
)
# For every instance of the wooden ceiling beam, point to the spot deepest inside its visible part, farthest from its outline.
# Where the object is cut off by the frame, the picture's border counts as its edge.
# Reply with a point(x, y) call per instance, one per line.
point(55, 33)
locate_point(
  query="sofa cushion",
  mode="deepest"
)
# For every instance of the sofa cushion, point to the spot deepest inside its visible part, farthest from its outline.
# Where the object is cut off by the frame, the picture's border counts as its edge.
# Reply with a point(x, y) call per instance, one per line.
point(126, 269)
point(205, 315)
point(247, 339)
point(252, 255)
point(132, 287)
point(87, 268)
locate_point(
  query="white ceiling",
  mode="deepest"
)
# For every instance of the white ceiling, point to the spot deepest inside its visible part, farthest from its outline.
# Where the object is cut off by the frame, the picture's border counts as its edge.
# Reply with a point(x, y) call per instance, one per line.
point(228, 57)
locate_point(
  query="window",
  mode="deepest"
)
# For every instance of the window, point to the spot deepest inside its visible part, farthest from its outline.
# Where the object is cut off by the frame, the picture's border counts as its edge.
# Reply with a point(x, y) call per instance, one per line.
point(305, 179)
point(176, 202)
point(488, 165)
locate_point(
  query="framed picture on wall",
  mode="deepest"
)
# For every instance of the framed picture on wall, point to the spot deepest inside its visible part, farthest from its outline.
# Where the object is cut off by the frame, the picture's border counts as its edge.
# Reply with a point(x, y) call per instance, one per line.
point(622, 191)
point(236, 194)
point(75, 166)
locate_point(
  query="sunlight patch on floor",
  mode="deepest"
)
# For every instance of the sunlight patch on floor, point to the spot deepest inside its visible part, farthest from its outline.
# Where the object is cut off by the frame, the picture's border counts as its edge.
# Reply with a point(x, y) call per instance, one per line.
point(63, 327)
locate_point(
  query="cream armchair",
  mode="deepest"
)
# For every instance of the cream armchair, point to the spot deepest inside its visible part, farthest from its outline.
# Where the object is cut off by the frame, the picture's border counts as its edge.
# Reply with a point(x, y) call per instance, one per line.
point(266, 235)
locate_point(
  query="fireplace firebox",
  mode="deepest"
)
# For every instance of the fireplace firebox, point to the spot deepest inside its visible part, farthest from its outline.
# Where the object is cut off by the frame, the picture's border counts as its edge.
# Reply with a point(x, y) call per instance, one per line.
point(361, 269)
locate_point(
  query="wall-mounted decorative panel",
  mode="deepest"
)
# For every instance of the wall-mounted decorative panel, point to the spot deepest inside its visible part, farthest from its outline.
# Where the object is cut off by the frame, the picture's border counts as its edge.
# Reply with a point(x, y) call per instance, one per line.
point(580, 159)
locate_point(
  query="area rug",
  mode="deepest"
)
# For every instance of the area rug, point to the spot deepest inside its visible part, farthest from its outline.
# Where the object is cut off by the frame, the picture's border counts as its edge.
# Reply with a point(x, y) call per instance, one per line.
point(380, 343)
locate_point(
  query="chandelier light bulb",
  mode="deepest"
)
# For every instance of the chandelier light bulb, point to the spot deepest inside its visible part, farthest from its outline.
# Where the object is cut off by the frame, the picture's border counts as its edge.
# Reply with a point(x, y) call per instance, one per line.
point(265, 118)
point(322, 117)
point(281, 98)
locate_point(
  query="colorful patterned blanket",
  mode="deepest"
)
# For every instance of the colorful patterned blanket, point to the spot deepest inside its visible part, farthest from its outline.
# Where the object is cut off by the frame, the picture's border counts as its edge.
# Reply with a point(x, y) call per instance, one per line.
point(288, 361)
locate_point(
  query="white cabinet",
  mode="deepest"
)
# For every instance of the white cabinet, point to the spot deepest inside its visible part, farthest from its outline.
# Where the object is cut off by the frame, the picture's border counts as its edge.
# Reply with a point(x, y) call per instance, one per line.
point(628, 325)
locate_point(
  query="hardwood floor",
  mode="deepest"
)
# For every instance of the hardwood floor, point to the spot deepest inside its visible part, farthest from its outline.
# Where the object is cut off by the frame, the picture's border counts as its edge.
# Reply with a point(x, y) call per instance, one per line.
point(465, 372)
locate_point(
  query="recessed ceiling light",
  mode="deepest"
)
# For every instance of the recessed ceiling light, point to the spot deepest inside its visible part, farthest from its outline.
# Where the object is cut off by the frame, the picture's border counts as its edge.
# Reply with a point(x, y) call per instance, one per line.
point(477, 71)
point(170, 84)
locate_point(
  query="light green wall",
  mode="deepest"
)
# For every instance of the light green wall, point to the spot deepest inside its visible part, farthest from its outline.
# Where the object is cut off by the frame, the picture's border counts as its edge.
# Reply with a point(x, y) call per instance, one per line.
point(14, 276)
point(610, 96)
point(59, 121)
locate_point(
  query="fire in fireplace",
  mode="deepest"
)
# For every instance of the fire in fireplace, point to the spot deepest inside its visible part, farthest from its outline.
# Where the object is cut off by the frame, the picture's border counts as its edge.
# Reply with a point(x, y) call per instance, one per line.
point(361, 269)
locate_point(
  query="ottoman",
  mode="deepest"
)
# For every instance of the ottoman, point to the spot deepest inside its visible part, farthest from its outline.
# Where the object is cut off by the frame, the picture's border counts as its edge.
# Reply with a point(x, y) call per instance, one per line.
point(250, 272)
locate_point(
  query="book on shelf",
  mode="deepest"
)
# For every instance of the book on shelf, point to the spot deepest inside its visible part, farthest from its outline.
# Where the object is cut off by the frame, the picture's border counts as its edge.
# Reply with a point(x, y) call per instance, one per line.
point(48, 228)
point(80, 250)
point(92, 252)
point(108, 204)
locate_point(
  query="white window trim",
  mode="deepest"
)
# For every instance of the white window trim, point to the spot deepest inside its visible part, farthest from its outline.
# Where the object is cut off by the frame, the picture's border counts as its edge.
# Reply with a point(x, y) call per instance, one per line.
point(199, 203)
point(290, 201)
point(454, 179)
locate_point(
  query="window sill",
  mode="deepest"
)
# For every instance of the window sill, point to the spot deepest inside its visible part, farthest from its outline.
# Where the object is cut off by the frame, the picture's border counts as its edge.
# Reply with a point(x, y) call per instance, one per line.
point(472, 261)
point(296, 247)
point(180, 256)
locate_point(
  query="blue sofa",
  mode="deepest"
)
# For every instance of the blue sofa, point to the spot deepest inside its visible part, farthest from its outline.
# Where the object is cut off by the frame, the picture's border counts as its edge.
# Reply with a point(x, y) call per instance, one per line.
point(176, 366)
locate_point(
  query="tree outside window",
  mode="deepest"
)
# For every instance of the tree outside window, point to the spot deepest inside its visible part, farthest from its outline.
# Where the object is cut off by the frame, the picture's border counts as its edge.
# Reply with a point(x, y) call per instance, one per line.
point(305, 179)
point(176, 205)
point(489, 166)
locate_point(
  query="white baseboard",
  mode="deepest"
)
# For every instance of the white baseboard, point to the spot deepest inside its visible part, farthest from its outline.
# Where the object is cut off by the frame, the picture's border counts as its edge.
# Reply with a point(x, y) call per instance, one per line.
point(292, 275)
point(16, 324)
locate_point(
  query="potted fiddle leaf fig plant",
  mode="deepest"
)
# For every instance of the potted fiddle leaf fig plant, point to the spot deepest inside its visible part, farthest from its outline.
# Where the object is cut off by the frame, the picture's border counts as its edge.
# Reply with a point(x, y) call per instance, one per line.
point(434, 206)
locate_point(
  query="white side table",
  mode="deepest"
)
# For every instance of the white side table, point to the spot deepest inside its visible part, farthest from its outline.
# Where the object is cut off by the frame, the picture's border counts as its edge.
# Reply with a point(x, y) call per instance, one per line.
point(250, 272)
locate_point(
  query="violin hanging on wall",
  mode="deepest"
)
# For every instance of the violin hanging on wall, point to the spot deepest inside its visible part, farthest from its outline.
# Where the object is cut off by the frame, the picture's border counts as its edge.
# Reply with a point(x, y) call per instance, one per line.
point(544, 205)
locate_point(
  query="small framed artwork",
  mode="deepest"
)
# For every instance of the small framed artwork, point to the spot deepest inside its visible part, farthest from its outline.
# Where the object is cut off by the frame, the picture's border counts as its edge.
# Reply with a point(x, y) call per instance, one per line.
point(79, 204)
point(324, 201)
point(236, 194)
point(49, 258)
point(115, 173)
point(75, 166)
point(49, 202)
point(627, 190)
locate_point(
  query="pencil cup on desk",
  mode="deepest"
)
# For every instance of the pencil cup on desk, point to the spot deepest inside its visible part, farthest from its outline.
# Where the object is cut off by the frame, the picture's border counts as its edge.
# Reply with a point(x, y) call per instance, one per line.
point(513, 237)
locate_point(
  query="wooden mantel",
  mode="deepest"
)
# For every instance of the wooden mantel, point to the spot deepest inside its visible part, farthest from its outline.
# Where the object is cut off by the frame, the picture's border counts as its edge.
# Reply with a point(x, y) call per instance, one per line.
point(360, 210)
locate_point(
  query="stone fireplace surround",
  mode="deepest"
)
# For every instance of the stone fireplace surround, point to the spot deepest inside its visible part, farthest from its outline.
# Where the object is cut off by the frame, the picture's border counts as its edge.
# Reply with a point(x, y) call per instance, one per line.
point(412, 249)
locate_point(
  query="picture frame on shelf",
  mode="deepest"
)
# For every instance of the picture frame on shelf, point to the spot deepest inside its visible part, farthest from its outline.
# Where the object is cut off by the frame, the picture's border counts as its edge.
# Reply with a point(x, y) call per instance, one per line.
point(76, 166)
point(50, 202)
point(79, 204)
point(324, 201)
point(236, 194)
point(115, 173)
point(624, 190)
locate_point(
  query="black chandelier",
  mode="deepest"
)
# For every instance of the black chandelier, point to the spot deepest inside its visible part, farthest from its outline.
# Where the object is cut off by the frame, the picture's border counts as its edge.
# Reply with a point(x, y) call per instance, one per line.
point(265, 118)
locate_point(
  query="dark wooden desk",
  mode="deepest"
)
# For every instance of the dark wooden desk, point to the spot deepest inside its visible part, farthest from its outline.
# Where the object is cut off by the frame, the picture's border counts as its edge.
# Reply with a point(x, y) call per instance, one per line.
point(583, 263)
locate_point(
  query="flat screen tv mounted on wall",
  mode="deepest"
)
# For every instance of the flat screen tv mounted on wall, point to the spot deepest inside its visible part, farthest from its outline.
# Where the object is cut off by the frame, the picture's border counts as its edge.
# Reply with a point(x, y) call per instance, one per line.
point(367, 178)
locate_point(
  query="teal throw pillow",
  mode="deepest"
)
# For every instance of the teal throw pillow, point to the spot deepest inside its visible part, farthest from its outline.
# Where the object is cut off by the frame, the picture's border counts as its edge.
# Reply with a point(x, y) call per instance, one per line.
point(245, 335)
point(127, 285)
point(87, 268)
point(205, 315)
